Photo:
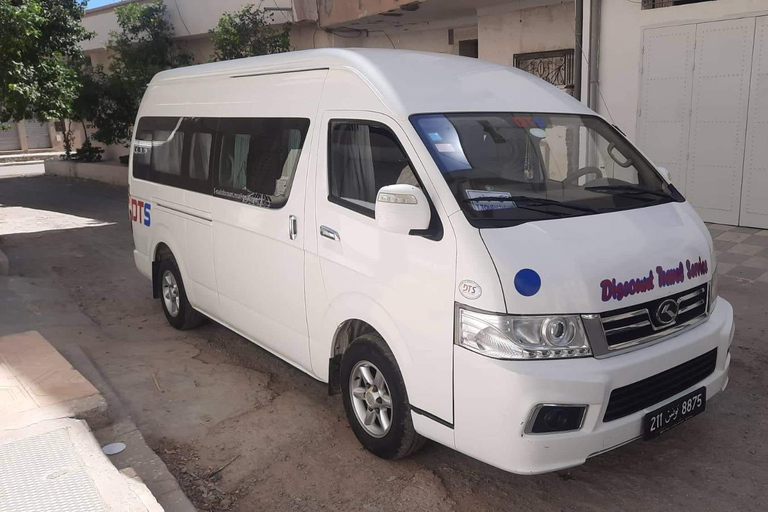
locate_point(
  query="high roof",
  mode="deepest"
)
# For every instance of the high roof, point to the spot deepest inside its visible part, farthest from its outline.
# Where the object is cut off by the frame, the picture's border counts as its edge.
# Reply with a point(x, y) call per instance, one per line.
point(409, 82)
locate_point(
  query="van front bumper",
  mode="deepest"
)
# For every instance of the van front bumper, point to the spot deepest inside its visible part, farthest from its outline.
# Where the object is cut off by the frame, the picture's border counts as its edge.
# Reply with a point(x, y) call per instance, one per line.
point(494, 399)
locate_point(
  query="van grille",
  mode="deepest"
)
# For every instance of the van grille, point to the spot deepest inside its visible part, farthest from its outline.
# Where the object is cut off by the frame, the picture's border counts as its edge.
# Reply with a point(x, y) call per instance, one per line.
point(647, 392)
point(639, 324)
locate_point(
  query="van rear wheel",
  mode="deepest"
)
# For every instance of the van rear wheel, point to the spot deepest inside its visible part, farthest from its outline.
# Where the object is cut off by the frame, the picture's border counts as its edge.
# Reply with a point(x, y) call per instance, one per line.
point(375, 399)
point(178, 311)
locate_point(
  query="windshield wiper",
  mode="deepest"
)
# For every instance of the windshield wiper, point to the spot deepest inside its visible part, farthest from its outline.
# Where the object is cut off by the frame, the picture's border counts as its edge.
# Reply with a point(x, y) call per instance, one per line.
point(532, 202)
point(626, 190)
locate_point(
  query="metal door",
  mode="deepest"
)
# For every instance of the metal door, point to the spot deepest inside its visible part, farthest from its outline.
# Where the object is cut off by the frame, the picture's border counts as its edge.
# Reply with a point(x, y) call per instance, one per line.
point(9, 137)
point(38, 136)
point(719, 118)
point(665, 105)
point(754, 192)
point(702, 114)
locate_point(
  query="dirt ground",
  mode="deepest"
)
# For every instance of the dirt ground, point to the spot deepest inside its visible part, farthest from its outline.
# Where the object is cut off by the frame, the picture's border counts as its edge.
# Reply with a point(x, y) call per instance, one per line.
point(244, 431)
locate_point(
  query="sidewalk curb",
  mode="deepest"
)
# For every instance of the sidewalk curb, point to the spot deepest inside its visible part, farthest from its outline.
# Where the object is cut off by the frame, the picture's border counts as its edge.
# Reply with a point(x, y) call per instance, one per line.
point(138, 455)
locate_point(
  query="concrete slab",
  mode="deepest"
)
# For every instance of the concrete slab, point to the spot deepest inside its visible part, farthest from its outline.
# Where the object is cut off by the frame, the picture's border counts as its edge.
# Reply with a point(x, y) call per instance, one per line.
point(37, 383)
point(57, 465)
point(139, 459)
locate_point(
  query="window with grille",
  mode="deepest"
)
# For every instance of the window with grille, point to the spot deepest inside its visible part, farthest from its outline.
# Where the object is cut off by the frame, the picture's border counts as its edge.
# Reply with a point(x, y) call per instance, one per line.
point(655, 4)
point(556, 67)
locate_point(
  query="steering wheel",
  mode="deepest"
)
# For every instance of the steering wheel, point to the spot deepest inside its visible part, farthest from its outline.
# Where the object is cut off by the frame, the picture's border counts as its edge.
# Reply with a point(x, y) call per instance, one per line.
point(573, 177)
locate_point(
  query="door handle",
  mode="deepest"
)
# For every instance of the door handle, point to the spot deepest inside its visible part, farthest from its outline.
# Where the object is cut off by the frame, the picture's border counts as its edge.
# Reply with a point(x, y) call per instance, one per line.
point(293, 227)
point(329, 233)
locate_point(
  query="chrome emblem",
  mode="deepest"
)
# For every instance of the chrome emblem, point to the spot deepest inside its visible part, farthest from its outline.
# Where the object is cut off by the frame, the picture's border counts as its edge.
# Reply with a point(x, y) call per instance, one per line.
point(667, 311)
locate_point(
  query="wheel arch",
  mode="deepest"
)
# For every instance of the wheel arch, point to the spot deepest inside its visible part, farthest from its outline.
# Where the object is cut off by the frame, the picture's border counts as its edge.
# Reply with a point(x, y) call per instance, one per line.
point(348, 318)
point(164, 247)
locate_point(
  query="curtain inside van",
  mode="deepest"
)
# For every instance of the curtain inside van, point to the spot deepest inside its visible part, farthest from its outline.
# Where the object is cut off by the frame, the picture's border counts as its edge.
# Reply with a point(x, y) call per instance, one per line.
point(353, 173)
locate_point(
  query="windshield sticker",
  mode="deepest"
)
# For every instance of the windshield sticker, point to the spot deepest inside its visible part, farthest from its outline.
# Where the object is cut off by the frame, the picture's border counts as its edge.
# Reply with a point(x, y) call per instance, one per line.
point(611, 289)
point(481, 206)
point(435, 136)
point(529, 122)
point(445, 148)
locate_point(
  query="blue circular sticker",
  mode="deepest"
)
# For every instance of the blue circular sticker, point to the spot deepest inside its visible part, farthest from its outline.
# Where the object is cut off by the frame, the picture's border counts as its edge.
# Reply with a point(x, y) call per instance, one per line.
point(527, 282)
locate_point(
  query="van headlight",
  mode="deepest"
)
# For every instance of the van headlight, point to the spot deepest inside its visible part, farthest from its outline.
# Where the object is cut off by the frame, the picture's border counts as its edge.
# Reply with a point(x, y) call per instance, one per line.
point(522, 337)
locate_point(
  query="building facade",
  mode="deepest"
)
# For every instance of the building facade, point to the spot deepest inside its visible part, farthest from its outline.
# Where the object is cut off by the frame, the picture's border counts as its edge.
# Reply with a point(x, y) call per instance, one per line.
point(686, 79)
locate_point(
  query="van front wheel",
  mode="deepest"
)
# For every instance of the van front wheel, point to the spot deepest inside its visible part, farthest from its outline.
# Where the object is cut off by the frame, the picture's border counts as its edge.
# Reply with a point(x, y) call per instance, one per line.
point(375, 399)
point(178, 311)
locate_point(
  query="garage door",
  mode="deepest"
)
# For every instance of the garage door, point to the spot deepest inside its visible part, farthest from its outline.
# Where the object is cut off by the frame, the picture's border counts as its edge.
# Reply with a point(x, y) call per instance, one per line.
point(38, 136)
point(9, 138)
point(701, 114)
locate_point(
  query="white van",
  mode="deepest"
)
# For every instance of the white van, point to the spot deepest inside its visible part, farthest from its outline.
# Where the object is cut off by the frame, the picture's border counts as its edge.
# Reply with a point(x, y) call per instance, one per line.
point(466, 253)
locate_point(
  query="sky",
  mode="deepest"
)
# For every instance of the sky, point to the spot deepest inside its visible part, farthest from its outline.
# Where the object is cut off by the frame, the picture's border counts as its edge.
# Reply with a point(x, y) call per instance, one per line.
point(99, 3)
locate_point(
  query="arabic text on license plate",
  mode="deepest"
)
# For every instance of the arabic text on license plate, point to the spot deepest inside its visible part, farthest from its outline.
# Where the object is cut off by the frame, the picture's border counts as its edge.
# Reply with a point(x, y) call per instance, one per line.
point(674, 413)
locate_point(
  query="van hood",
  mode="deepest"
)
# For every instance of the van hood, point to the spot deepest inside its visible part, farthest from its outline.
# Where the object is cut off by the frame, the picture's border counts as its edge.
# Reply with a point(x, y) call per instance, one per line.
point(603, 262)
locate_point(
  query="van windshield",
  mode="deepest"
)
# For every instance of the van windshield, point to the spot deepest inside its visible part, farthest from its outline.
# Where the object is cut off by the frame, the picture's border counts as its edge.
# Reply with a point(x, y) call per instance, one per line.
point(506, 169)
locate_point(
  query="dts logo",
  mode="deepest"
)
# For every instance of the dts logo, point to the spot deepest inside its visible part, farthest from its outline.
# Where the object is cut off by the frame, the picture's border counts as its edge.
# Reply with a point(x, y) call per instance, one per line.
point(139, 211)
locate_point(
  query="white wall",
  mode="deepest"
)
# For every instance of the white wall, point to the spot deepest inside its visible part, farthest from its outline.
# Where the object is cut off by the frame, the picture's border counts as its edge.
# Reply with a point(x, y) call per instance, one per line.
point(621, 45)
point(189, 17)
point(502, 35)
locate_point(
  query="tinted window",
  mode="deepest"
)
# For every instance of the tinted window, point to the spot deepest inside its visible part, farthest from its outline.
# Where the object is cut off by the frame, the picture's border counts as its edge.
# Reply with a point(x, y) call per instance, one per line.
point(363, 158)
point(175, 151)
point(257, 159)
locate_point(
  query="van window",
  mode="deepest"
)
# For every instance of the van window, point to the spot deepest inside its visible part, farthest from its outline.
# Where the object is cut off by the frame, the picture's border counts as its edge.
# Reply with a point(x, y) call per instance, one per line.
point(365, 157)
point(175, 151)
point(200, 158)
point(158, 147)
point(257, 159)
point(506, 169)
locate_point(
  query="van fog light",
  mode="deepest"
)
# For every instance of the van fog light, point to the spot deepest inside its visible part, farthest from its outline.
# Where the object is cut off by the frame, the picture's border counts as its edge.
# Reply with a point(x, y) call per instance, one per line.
point(522, 337)
point(556, 418)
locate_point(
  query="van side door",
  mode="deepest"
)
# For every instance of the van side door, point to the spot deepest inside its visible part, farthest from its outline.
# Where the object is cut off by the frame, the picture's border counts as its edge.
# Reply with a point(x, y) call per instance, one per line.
point(402, 285)
point(258, 231)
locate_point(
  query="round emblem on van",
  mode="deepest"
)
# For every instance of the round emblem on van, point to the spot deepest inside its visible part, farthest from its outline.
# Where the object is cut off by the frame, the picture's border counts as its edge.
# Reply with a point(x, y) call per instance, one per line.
point(527, 282)
point(667, 311)
point(470, 289)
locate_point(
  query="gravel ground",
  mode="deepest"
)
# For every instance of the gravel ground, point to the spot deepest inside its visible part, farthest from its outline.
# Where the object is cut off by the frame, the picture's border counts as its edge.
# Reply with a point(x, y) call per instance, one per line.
point(243, 431)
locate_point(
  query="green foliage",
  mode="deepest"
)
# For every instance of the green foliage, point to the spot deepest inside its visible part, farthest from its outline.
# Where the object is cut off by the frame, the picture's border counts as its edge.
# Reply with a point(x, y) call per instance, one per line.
point(38, 43)
point(247, 33)
point(143, 47)
point(88, 153)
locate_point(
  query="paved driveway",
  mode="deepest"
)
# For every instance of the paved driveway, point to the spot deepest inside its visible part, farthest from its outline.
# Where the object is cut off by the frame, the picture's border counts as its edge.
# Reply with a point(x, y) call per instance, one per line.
point(207, 399)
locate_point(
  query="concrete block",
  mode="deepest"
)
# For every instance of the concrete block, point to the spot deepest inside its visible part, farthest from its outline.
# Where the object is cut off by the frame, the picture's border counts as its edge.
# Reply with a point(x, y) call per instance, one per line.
point(58, 466)
point(37, 383)
point(113, 173)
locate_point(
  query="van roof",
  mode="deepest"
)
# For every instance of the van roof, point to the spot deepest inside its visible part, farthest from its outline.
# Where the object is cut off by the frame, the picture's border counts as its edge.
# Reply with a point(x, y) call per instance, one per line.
point(408, 82)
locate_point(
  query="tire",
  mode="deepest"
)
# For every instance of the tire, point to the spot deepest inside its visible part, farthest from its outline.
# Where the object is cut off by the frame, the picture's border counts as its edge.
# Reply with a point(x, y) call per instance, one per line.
point(400, 439)
point(182, 316)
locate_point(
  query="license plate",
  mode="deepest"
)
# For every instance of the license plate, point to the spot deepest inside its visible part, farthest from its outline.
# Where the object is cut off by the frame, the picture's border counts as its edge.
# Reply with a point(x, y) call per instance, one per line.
point(674, 413)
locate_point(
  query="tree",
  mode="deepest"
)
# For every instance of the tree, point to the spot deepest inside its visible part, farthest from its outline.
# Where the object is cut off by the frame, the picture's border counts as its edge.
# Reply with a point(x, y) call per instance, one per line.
point(143, 47)
point(247, 33)
point(39, 40)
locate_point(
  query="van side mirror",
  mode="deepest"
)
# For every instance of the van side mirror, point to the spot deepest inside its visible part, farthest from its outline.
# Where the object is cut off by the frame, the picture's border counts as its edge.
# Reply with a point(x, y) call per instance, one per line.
point(665, 174)
point(402, 208)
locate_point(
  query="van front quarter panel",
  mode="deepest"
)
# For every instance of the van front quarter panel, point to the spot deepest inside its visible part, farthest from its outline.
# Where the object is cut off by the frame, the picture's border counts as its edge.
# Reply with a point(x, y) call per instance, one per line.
point(402, 283)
